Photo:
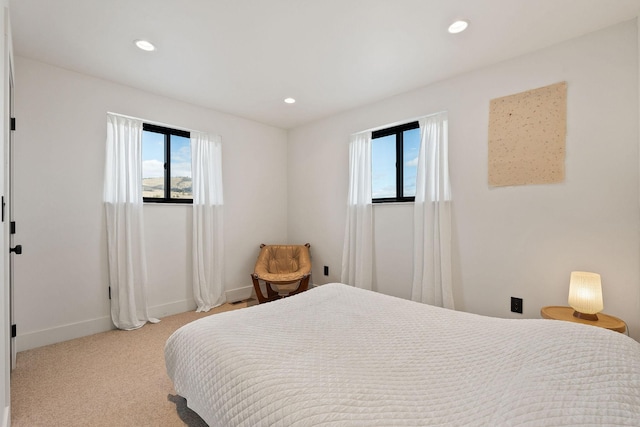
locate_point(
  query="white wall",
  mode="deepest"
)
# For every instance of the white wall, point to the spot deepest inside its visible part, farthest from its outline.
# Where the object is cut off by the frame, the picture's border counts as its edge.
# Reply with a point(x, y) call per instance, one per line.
point(62, 275)
point(516, 241)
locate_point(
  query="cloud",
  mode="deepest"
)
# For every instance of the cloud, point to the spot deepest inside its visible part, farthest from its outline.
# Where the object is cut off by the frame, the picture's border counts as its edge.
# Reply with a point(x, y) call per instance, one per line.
point(413, 162)
point(180, 154)
point(155, 169)
point(386, 191)
point(410, 189)
point(152, 169)
point(181, 169)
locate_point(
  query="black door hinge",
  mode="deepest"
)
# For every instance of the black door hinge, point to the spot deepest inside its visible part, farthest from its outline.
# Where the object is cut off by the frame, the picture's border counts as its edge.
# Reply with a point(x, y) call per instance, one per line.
point(109, 292)
point(14, 331)
point(13, 123)
point(3, 208)
point(12, 227)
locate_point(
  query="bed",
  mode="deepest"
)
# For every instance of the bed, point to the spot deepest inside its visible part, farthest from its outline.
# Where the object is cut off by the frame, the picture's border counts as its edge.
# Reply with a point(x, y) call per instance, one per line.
point(337, 355)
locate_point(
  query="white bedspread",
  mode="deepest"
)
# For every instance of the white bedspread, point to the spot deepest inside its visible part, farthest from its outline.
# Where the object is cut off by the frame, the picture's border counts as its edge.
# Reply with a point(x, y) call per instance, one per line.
point(336, 355)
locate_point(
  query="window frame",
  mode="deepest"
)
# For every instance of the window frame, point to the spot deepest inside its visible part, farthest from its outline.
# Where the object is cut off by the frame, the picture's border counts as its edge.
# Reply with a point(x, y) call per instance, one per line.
point(167, 132)
point(398, 131)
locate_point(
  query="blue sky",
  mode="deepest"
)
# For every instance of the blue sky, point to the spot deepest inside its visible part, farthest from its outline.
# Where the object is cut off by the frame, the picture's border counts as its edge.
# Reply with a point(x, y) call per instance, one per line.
point(383, 169)
point(153, 155)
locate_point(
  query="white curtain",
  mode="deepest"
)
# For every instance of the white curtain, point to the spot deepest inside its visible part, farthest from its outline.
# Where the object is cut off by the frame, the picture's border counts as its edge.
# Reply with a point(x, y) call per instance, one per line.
point(357, 254)
point(125, 230)
point(206, 166)
point(432, 282)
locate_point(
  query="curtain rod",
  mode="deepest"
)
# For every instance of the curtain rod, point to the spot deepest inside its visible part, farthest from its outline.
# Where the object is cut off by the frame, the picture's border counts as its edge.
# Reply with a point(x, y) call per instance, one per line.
point(398, 123)
point(153, 122)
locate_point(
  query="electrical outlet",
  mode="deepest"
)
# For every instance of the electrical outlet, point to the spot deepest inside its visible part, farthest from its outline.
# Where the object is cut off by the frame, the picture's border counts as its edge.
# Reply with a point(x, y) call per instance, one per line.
point(516, 305)
point(326, 270)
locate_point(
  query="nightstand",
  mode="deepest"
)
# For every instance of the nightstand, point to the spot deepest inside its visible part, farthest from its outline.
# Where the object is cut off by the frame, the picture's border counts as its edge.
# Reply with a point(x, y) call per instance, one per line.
point(566, 313)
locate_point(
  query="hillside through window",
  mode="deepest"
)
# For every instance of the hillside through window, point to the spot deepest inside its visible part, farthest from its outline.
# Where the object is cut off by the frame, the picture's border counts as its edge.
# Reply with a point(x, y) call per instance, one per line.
point(166, 165)
point(393, 180)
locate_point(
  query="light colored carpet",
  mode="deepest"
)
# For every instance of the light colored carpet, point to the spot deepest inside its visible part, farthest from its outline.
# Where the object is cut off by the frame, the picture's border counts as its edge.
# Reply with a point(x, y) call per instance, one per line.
point(114, 378)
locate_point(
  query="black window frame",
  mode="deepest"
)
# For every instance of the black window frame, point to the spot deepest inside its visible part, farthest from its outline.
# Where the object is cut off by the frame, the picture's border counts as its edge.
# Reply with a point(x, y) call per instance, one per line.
point(398, 131)
point(167, 132)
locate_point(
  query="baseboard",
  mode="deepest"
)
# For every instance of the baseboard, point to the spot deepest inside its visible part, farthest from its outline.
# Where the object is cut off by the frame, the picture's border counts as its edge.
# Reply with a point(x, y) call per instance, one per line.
point(239, 294)
point(94, 326)
point(62, 333)
point(164, 310)
point(89, 327)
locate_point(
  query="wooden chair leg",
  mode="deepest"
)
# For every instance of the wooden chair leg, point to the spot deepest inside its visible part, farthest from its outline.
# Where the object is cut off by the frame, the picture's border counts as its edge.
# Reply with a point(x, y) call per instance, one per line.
point(271, 294)
point(256, 287)
point(303, 286)
point(304, 283)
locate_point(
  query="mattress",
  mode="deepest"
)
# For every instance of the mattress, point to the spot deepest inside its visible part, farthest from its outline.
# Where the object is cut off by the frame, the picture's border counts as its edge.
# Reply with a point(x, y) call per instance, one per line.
point(337, 355)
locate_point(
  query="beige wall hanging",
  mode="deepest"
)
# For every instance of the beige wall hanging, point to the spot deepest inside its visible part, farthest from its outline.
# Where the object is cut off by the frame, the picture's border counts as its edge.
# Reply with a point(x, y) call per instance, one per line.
point(527, 137)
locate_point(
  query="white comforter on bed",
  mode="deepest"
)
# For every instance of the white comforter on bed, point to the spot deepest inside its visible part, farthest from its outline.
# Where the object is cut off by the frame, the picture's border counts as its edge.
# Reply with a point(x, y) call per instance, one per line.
point(336, 355)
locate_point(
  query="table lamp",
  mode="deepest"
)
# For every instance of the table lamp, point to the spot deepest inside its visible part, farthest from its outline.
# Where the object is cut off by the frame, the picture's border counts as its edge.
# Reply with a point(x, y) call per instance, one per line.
point(585, 294)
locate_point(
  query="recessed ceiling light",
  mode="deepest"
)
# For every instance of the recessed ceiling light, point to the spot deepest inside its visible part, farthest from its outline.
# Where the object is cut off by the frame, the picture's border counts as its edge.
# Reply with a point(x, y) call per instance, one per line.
point(145, 45)
point(289, 100)
point(458, 26)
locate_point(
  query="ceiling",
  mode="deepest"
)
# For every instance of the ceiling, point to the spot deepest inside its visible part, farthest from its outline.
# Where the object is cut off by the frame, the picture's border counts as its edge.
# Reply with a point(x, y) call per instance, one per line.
point(245, 57)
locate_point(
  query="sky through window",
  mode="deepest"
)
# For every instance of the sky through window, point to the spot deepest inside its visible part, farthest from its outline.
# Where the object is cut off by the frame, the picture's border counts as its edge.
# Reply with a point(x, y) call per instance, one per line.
point(383, 164)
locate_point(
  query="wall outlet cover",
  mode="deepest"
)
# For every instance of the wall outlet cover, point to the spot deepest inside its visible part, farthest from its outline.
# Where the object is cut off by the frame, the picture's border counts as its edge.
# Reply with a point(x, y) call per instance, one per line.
point(516, 305)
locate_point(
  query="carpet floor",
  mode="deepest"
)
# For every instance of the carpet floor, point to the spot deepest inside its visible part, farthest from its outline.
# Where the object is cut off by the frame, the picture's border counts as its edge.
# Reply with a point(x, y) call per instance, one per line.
point(115, 378)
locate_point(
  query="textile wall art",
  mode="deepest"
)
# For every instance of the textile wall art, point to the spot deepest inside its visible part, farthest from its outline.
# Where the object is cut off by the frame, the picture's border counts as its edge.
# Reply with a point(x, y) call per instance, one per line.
point(527, 133)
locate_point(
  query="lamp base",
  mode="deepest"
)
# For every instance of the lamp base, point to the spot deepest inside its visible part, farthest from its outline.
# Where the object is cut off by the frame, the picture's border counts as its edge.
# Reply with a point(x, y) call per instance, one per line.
point(585, 316)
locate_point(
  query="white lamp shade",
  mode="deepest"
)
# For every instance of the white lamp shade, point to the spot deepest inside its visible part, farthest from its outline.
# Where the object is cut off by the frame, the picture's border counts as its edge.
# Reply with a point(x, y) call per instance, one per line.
point(585, 292)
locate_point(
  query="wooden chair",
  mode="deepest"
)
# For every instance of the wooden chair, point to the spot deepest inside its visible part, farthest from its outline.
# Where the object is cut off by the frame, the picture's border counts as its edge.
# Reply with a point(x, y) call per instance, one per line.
point(284, 269)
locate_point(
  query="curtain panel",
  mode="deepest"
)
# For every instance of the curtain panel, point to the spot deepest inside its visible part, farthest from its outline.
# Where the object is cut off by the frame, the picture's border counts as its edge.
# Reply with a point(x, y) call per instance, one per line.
point(208, 241)
point(357, 254)
point(124, 218)
point(432, 276)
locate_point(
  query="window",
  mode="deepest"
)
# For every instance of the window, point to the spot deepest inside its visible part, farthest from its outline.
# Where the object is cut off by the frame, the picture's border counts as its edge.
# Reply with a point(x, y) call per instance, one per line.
point(166, 165)
point(393, 181)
